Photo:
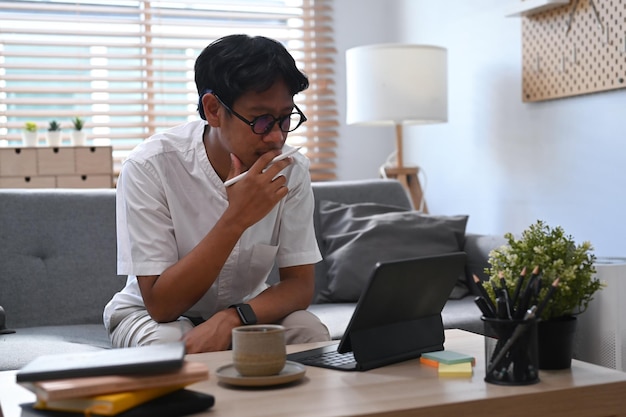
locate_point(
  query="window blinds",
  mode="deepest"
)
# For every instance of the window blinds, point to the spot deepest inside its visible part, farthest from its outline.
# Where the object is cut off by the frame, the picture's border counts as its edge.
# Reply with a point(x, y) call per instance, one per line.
point(126, 67)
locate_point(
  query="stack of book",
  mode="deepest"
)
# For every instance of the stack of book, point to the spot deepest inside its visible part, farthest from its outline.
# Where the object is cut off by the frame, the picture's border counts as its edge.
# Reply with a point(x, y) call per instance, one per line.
point(116, 381)
point(449, 363)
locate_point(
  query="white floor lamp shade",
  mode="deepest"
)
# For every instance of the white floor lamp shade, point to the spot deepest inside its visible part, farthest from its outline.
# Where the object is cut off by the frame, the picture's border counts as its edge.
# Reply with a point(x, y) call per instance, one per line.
point(396, 84)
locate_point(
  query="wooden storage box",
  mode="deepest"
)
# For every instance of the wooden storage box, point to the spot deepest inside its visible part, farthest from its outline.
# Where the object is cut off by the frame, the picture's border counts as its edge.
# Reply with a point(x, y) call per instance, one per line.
point(18, 162)
point(84, 181)
point(56, 167)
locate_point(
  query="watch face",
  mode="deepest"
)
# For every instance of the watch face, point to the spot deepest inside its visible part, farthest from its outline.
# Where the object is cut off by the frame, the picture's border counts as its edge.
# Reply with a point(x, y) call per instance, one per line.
point(246, 314)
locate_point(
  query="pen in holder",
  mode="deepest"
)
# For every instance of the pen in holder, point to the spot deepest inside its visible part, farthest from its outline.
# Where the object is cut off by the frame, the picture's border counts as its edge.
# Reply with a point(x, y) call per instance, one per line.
point(511, 355)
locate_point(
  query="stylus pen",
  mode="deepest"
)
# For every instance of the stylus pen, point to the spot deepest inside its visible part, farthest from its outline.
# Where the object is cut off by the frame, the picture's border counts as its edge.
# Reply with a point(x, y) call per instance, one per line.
point(280, 157)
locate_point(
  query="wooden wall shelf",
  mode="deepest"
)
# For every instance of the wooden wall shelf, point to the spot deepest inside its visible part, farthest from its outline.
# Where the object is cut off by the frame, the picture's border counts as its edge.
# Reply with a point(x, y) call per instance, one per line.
point(530, 7)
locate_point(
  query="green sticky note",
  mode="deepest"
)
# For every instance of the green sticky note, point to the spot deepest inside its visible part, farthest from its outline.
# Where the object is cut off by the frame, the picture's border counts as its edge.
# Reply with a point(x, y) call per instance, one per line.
point(448, 357)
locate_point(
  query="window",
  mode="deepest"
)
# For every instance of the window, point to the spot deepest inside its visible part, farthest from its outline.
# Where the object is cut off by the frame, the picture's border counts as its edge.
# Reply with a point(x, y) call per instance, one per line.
point(126, 67)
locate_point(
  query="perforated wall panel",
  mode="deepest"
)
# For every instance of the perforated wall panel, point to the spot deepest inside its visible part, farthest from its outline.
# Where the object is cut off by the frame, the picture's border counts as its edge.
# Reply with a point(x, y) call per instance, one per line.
point(589, 57)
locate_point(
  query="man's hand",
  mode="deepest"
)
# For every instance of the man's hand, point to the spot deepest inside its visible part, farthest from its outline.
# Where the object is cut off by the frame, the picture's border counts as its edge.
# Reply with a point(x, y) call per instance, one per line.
point(293, 292)
point(213, 335)
point(181, 285)
point(255, 195)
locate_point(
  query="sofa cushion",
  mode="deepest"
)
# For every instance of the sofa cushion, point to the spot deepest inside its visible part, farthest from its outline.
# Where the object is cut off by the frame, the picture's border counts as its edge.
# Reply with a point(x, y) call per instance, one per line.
point(380, 191)
point(58, 253)
point(357, 236)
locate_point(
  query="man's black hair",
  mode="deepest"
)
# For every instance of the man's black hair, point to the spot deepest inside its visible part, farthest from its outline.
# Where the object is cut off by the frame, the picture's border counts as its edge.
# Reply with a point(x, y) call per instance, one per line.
point(236, 64)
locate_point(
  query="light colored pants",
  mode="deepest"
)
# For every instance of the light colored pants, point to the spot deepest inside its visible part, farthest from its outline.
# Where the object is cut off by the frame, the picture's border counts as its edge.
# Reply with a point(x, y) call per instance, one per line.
point(138, 329)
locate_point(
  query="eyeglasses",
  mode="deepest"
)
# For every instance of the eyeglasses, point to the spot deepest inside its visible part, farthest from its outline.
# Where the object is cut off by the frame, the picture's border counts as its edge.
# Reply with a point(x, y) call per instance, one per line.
point(261, 125)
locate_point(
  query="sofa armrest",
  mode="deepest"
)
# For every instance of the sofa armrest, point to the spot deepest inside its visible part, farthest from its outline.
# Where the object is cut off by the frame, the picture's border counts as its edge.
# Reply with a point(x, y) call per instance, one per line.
point(3, 323)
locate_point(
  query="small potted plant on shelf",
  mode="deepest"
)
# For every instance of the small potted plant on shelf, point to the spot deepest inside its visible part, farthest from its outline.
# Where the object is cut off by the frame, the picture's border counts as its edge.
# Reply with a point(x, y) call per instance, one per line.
point(78, 135)
point(560, 267)
point(30, 134)
point(53, 135)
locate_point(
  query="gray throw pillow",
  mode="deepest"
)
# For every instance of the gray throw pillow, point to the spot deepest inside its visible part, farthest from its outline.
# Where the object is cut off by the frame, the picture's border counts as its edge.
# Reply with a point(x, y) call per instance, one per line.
point(357, 236)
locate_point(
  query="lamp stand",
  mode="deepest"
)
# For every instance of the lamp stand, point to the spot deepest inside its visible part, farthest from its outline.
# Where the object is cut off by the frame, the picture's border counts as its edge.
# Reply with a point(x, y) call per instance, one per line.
point(407, 176)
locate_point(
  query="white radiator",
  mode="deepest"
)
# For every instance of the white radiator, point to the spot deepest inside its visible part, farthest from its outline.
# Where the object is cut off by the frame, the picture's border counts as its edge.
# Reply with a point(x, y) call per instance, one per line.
point(601, 332)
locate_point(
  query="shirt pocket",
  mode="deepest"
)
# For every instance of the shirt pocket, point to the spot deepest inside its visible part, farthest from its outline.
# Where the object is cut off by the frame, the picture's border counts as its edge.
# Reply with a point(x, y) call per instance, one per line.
point(262, 258)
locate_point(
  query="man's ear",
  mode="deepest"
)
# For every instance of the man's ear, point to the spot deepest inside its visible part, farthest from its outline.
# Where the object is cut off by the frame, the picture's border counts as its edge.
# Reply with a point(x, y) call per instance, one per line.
point(211, 106)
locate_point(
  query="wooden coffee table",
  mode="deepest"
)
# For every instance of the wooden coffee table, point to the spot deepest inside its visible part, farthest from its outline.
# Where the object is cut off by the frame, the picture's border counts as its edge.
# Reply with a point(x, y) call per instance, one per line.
point(404, 389)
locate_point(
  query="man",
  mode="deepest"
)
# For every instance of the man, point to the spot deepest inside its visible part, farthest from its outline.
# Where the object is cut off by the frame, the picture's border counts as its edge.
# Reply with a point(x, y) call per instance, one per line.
point(197, 253)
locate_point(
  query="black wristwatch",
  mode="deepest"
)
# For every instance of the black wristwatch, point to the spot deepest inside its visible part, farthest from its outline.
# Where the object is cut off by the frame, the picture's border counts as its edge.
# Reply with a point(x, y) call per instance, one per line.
point(246, 314)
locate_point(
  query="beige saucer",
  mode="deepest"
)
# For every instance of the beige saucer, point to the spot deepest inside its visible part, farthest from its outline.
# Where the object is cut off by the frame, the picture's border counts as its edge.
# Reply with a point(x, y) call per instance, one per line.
point(291, 372)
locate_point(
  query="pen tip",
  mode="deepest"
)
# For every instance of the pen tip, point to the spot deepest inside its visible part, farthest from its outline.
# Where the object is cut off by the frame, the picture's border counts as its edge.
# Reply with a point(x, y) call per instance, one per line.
point(523, 273)
point(536, 270)
point(476, 279)
point(555, 283)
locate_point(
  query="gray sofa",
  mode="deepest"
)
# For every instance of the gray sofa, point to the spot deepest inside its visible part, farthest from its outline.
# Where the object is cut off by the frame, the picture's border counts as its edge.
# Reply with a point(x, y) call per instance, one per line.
point(58, 267)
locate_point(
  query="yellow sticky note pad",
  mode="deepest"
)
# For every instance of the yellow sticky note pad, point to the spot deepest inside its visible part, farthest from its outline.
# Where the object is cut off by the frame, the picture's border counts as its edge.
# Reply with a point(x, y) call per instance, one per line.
point(463, 369)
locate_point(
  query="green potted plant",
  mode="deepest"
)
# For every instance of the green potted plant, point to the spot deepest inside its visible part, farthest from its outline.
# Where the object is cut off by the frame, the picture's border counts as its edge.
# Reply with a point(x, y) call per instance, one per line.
point(30, 134)
point(78, 135)
point(554, 255)
point(53, 135)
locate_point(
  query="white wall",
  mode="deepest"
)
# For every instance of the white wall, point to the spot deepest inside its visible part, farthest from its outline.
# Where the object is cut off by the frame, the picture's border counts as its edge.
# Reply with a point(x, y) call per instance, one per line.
point(361, 150)
point(504, 162)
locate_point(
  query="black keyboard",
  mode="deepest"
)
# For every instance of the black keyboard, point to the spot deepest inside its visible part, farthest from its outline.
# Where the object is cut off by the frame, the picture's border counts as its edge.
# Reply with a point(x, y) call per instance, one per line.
point(333, 360)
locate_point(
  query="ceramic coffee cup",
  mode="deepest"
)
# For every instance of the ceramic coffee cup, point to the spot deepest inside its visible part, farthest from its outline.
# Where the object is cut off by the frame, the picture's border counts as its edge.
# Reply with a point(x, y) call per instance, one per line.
point(259, 350)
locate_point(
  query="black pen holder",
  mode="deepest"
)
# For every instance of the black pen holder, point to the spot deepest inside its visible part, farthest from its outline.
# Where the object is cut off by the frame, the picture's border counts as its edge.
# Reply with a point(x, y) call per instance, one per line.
point(511, 356)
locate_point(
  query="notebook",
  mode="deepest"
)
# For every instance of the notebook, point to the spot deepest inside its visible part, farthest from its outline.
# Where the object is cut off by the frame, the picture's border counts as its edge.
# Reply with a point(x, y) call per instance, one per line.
point(86, 386)
point(134, 360)
point(179, 403)
point(107, 404)
point(397, 317)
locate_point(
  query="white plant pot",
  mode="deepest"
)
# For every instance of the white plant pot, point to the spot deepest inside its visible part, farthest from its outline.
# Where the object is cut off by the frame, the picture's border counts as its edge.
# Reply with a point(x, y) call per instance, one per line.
point(30, 138)
point(78, 138)
point(54, 138)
